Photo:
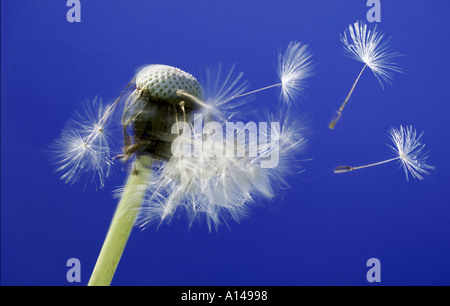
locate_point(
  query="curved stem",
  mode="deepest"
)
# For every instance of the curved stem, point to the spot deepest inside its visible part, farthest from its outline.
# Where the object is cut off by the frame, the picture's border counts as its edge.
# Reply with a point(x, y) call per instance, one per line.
point(122, 223)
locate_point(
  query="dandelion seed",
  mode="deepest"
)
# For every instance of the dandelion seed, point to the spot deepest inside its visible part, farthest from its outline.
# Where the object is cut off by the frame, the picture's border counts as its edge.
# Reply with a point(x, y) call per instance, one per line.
point(368, 46)
point(294, 66)
point(409, 151)
point(84, 146)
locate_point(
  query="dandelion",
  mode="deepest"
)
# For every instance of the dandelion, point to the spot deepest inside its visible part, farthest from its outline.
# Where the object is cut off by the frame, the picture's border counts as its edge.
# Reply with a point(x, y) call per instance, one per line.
point(294, 66)
point(409, 150)
point(160, 102)
point(150, 111)
point(369, 46)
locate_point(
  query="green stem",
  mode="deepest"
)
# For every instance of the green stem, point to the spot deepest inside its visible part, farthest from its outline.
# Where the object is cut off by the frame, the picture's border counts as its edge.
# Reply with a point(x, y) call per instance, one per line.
point(122, 223)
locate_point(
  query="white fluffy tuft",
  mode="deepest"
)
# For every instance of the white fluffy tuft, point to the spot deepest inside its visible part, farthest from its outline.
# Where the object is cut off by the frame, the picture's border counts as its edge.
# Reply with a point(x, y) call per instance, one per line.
point(368, 45)
point(294, 66)
point(84, 146)
point(221, 188)
point(410, 150)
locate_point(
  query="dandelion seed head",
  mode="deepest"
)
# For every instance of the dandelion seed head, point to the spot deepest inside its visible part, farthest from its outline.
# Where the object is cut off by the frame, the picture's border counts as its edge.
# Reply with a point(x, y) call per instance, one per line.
point(369, 46)
point(161, 83)
point(220, 188)
point(410, 150)
point(154, 107)
point(294, 66)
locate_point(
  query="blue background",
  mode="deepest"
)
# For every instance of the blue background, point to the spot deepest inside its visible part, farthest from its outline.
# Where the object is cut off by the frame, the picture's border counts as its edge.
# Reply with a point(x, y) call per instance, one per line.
point(320, 232)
